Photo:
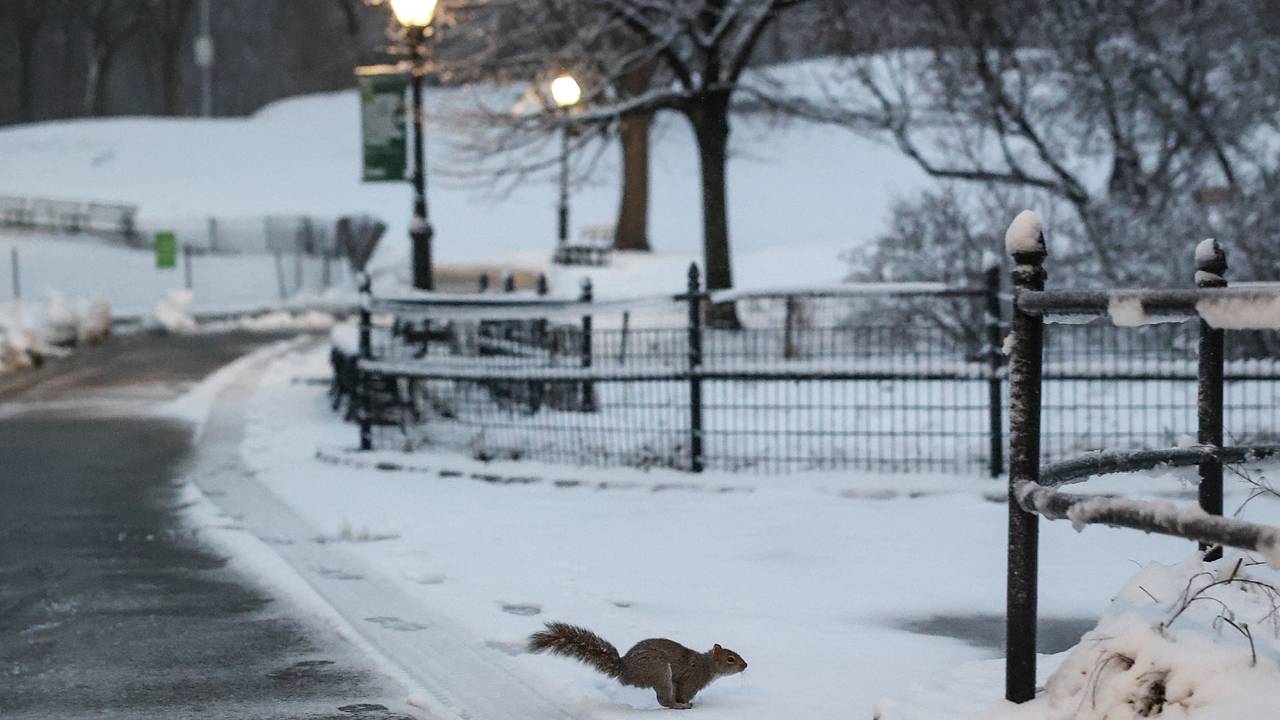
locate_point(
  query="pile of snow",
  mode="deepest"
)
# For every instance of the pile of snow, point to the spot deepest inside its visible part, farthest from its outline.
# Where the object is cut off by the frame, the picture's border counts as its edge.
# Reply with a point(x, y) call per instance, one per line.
point(31, 333)
point(19, 343)
point(1192, 641)
point(279, 321)
point(174, 311)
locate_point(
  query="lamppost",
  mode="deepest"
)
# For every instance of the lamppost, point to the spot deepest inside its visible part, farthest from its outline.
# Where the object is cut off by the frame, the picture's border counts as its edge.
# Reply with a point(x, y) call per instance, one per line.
point(566, 93)
point(416, 16)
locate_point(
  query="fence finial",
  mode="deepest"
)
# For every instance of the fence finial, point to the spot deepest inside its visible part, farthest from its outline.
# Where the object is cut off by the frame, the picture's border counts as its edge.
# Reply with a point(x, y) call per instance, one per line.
point(586, 289)
point(364, 283)
point(1025, 236)
point(1211, 264)
point(694, 282)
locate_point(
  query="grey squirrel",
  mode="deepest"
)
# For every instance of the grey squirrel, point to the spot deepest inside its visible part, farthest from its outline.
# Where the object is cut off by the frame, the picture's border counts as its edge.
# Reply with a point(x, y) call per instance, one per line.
point(672, 670)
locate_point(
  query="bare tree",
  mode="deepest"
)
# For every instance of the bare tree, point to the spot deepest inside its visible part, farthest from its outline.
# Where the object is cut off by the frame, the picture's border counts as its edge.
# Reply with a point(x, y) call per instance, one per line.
point(169, 20)
point(111, 24)
point(1164, 96)
point(699, 51)
point(27, 19)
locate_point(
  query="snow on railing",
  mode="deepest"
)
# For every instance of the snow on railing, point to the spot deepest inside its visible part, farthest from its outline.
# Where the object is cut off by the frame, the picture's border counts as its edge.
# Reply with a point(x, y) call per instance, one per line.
point(1164, 518)
point(1031, 486)
point(1254, 307)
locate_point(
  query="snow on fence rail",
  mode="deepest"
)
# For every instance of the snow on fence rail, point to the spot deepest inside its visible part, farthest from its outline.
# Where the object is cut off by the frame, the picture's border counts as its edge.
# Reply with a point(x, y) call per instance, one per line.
point(1032, 487)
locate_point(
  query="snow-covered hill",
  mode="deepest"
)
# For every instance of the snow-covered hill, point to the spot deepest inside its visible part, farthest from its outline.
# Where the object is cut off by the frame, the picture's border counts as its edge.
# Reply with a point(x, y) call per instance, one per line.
point(795, 190)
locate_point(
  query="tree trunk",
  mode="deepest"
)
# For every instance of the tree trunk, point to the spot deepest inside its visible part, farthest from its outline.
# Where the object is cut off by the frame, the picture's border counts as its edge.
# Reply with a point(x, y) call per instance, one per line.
point(710, 119)
point(171, 80)
point(99, 77)
point(632, 231)
point(26, 95)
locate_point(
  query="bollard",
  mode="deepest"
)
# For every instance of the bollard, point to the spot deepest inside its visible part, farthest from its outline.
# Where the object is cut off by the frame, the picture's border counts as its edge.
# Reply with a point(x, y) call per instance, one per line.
point(1211, 268)
point(1025, 242)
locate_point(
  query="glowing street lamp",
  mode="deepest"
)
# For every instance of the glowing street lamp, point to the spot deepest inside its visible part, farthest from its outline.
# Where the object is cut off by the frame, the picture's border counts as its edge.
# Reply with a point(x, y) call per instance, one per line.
point(565, 92)
point(414, 13)
point(416, 16)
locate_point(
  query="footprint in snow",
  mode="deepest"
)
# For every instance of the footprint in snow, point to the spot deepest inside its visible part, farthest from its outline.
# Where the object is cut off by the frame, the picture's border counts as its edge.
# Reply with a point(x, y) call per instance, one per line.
point(337, 573)
point(437, 579)
point(395, 623)
point(524, 609)
point(506, 647)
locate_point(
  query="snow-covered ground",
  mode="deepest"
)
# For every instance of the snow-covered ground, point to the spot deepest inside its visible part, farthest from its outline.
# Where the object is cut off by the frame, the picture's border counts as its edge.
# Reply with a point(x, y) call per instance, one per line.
point(839, 589)
point(302, 156)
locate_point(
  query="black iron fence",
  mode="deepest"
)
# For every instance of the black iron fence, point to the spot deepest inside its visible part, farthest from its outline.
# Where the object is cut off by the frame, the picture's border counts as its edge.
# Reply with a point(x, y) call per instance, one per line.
point(1033, 487)
point(846, 377)
point(806, 383)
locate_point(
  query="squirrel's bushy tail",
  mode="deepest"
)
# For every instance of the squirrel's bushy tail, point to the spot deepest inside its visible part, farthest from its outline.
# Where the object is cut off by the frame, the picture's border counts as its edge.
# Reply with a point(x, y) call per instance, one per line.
point(579, 644)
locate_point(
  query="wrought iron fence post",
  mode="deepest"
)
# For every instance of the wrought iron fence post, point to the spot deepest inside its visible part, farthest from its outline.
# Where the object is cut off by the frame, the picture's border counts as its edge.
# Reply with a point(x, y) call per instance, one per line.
point(366, 352)
point(1211, 269)
point(788, 329)
point(1025, 370)
point(588, 387)
point(995, 399)
point(695, 368)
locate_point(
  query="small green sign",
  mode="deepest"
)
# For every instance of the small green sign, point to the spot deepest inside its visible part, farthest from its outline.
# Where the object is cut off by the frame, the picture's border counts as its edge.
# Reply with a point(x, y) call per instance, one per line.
point(382, 123)
point(166, 250)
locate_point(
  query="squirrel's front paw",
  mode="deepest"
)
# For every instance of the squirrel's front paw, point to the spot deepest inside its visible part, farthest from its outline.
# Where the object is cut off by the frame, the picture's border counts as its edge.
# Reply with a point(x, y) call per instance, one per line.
point(678, 705)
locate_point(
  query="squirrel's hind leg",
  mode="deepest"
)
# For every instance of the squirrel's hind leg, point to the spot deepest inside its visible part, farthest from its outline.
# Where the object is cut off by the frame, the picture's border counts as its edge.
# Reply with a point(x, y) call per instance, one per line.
point(666, 691)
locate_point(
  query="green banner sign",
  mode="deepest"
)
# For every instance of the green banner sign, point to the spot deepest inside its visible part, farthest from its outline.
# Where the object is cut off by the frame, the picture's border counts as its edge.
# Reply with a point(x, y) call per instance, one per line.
point(382, 123)
point(166, 250)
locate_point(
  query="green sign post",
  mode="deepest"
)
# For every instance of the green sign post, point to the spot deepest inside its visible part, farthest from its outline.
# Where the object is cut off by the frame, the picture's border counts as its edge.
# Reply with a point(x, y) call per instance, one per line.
point(382, 123)
point(166, 250)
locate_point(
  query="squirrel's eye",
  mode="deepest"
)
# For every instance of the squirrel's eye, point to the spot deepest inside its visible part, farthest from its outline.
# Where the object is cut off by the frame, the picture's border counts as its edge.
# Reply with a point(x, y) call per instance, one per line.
point(732, 660)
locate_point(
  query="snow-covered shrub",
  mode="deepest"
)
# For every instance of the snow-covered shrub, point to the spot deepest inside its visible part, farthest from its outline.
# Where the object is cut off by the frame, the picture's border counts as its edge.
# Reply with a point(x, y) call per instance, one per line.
point(174, 311)
point(95, 323)
point(1194, 641)
point(18, 341)
point(61, 321)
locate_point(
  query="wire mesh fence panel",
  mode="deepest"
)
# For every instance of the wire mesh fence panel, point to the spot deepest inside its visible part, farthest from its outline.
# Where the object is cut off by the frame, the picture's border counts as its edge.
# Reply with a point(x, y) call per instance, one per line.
point(806, 383)
point(1125, 388)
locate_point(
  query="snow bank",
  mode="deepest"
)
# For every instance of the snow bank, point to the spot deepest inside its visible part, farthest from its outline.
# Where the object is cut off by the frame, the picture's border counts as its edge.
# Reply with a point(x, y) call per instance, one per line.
point(174, 312)
point(18, 340)
point(31, 333)
point(1025, 234)
point(1194, 641)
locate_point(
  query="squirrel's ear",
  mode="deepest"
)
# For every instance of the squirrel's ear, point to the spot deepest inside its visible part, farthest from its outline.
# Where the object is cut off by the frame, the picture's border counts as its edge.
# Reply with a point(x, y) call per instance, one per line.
point(717, 648)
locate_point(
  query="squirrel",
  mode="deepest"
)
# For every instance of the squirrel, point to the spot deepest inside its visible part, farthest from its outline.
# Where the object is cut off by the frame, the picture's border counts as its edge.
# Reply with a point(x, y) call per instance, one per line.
point(672, 670)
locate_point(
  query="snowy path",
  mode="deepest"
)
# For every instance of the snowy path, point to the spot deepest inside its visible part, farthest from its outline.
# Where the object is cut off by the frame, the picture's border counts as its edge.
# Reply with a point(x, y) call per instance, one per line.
point(109, 604)
point(457, 674)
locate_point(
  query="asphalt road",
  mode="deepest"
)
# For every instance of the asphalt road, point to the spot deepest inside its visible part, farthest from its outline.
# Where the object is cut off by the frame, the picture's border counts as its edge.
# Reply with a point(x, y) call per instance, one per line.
point(108, 606)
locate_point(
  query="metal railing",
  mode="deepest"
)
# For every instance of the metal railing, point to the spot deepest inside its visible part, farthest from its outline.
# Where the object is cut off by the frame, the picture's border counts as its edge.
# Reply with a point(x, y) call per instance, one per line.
point(816, 379)
point(1033, 487)
point(71, 216)
point(805, 384)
